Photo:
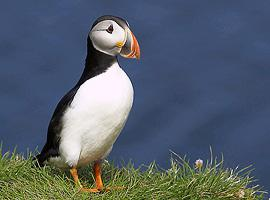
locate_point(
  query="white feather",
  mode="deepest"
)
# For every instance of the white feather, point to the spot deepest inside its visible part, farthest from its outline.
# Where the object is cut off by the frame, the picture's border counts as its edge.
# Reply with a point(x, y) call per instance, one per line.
point(106, 42)
point(95, 118)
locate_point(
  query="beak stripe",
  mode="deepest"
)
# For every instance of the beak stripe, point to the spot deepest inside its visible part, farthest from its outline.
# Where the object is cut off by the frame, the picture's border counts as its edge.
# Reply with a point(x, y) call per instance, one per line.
point(135, 48)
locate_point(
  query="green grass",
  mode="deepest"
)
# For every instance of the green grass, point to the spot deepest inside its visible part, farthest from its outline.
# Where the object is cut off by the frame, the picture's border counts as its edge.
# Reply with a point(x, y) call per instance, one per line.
point(20, 180)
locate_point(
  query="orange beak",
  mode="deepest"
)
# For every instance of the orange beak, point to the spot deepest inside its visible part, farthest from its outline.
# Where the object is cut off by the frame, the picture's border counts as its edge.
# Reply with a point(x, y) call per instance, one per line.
point(131, 48)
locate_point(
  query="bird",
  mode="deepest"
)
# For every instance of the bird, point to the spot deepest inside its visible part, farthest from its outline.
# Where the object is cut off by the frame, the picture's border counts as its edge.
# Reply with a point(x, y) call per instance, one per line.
point(89, 117)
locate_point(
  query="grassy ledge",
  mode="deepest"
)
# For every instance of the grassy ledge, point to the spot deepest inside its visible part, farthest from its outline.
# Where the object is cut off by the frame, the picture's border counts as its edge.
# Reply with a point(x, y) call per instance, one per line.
point(20, 180)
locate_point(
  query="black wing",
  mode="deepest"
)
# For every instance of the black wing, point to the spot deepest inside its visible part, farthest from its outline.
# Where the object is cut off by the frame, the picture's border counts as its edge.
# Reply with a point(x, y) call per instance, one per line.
point(51, 148)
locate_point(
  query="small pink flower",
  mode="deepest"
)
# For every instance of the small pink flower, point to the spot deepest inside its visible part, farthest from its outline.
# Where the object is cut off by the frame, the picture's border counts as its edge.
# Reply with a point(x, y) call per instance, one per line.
point(199, 163)
point(241, 193)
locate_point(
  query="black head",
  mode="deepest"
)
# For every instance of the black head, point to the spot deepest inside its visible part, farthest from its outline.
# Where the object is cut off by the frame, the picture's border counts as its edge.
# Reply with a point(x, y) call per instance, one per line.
point(120, 21)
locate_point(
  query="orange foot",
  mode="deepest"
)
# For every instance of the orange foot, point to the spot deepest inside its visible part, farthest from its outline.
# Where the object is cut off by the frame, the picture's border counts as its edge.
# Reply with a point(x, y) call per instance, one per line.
point(99, 184)
point(105, 189)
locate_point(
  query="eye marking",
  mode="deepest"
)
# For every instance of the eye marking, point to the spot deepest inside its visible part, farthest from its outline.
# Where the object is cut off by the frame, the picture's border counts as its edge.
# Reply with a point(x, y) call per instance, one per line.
point(110, 29)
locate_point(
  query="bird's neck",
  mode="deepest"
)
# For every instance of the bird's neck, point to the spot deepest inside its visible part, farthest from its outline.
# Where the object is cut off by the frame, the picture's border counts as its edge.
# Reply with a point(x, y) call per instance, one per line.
point(96, 62)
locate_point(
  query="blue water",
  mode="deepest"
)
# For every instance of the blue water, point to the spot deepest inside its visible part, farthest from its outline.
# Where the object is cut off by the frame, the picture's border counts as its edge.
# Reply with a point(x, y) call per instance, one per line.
point(203, 79)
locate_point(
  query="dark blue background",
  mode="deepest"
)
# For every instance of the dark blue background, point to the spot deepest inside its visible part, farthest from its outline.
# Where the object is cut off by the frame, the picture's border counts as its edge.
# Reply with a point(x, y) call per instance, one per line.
point(203, 79)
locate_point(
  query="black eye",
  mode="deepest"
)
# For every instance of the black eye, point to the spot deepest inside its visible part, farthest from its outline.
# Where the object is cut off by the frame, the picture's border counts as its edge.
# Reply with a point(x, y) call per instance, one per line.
point(110, 29)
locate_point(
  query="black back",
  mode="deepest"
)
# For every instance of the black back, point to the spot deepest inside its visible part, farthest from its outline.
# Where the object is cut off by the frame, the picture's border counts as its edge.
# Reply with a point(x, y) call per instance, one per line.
point(96, 63)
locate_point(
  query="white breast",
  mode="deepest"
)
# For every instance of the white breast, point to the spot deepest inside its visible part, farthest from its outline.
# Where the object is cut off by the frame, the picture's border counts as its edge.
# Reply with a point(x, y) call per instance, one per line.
point(95, 117)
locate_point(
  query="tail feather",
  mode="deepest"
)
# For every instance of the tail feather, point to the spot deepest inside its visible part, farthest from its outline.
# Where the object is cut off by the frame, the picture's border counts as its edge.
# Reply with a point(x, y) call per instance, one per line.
point(39, 160)
point(43, 156)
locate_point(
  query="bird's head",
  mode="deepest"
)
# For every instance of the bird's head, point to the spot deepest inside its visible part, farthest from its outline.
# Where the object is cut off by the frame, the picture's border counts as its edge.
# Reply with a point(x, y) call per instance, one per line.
point(112, 36)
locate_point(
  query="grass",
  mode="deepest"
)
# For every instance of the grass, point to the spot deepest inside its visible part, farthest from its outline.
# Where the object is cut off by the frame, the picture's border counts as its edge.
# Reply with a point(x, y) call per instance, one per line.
point(20, 180)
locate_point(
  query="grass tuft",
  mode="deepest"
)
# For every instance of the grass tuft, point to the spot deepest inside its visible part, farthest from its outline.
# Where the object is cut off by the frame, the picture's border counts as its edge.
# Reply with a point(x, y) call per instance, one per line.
point(20, 180)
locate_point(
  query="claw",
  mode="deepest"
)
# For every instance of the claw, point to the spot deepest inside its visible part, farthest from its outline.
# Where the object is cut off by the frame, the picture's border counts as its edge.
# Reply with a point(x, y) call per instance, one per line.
point(96, 190)
point(91, 190)
point(99, 185)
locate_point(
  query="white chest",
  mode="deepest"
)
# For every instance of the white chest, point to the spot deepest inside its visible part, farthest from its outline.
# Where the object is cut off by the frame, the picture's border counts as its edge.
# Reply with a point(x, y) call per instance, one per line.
point(96, 116)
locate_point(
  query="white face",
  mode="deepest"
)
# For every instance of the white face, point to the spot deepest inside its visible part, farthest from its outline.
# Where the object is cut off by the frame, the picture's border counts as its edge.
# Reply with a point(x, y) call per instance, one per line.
point(107, 37)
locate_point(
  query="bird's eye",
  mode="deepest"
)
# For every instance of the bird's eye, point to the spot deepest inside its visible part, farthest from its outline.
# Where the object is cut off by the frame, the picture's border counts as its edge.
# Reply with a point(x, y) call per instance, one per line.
point(110, 29)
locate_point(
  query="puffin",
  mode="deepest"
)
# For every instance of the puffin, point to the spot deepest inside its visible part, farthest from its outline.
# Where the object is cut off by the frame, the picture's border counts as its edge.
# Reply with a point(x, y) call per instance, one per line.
point(89, 117)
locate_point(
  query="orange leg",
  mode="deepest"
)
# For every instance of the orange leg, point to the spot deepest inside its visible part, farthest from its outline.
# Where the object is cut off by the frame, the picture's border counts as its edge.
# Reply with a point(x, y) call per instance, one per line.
point(97, 173)
point(99, 184)
point(75, 176)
